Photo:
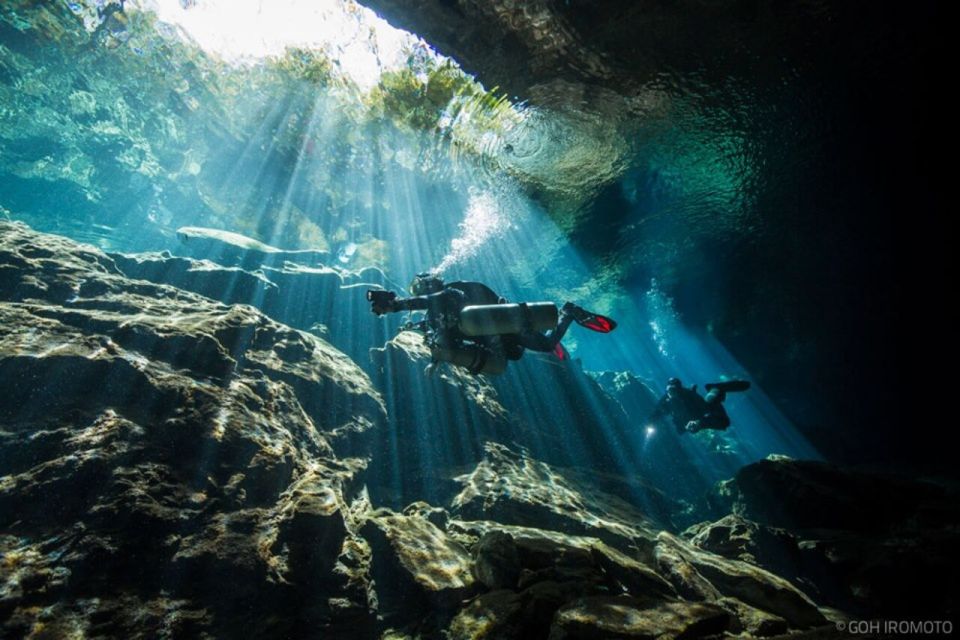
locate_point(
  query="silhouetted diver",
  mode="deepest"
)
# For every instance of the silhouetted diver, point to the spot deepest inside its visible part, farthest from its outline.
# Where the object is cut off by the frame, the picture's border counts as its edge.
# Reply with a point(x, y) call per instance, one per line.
point(467, 324)
point(690, 412)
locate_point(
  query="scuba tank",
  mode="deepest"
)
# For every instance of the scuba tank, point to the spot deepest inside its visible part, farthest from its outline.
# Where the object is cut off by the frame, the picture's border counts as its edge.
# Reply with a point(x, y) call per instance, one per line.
point(472, 357)
point(728, 386)
point(500, 319)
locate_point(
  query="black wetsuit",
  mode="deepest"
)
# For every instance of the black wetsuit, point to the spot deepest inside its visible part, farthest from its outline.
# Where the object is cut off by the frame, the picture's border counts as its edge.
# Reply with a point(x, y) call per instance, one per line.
point(443, 312)
point(683, 406)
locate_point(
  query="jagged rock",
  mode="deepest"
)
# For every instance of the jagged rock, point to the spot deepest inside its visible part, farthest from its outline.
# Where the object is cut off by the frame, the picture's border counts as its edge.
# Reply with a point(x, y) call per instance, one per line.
point(415, 565)
point(806, 494)
point(435, 515)
point(167, 460)
point(234, 249)
point(230, 285)
point(868, 542)
point(497, 615)
point(683, 576)
point(750, 620)
point(496, 561)
point(550, 556)
point(545, 570)
point(734, 537)
point(633, 393)
point(515, 489)
point(626, 617)
point(127, 616)
point(314, 298)
point(702, 575)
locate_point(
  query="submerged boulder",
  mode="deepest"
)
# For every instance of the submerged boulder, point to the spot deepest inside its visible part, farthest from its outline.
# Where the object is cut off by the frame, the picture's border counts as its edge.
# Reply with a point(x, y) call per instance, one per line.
point(867, 542)
point(416, 566)
point(543, 555)
point(706, 576)
point(534, 572)
point(514, 488)
point(497, 615)
point(616, 617)
point(497, 560)
point(732, 536)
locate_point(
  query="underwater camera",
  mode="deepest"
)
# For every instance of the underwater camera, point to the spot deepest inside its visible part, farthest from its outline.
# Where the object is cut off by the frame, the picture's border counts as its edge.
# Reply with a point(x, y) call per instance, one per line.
point(381, 296)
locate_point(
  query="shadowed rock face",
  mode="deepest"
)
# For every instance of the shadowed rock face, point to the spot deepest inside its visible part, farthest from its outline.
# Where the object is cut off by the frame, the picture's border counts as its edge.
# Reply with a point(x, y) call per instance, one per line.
point(163, 452)
point(617, 45)
point(171, 466)
point(517, 489)
point(624, 617)
point(864, 542)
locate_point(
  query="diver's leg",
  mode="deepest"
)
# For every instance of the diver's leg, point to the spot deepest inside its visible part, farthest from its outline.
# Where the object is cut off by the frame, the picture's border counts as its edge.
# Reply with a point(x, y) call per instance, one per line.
point(715, 418)
point(545, 342)
point(557, 334)
point(715, 397)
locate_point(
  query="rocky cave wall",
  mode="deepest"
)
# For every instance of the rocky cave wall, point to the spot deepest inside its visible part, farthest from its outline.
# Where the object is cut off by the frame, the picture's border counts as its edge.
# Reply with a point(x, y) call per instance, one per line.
point(172, 466)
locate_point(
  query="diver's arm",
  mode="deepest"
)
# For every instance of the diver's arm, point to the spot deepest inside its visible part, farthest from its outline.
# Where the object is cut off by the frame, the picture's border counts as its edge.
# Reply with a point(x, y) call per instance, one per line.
point(441, 300)
point(414, 303)
point(382, 302)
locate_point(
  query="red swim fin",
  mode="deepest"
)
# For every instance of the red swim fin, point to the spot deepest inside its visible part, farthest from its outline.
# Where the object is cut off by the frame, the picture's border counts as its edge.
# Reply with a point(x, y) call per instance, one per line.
point(598, 323)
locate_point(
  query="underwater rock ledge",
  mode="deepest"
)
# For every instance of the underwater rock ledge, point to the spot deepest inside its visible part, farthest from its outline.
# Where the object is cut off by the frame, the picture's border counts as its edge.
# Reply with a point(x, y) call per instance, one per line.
point(174, 467)
point(168, 462)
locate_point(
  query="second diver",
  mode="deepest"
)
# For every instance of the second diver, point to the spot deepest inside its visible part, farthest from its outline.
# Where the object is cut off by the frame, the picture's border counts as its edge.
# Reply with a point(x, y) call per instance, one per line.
point(689, 411)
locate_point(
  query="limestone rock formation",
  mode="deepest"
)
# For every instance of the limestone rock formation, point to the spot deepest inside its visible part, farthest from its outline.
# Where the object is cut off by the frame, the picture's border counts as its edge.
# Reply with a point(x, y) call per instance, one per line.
point(415, 566)
point(229, 248)
point(167, 461)
point(325, 301)
point(534, 49)
point(624, 617)
point(705, 576)
point(173, 465)
point(516, 489)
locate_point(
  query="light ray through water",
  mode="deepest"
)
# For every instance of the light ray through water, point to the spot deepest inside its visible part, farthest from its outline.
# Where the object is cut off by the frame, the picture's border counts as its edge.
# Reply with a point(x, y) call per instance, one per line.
point(470, 222)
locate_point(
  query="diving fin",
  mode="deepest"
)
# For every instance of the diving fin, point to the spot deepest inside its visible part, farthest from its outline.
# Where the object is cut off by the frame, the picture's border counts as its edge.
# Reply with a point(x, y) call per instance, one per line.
point(595, 322)
point(728, 386)
point(592, 321)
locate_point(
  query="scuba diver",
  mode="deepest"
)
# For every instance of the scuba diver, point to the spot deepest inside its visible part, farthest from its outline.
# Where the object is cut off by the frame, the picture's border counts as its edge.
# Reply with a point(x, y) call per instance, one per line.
point(467, 324)
point(690, 412)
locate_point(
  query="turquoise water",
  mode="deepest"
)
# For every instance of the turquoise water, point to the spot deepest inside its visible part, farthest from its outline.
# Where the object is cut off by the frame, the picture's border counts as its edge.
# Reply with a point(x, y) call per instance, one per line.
point(709, 220)
point(119, 129)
